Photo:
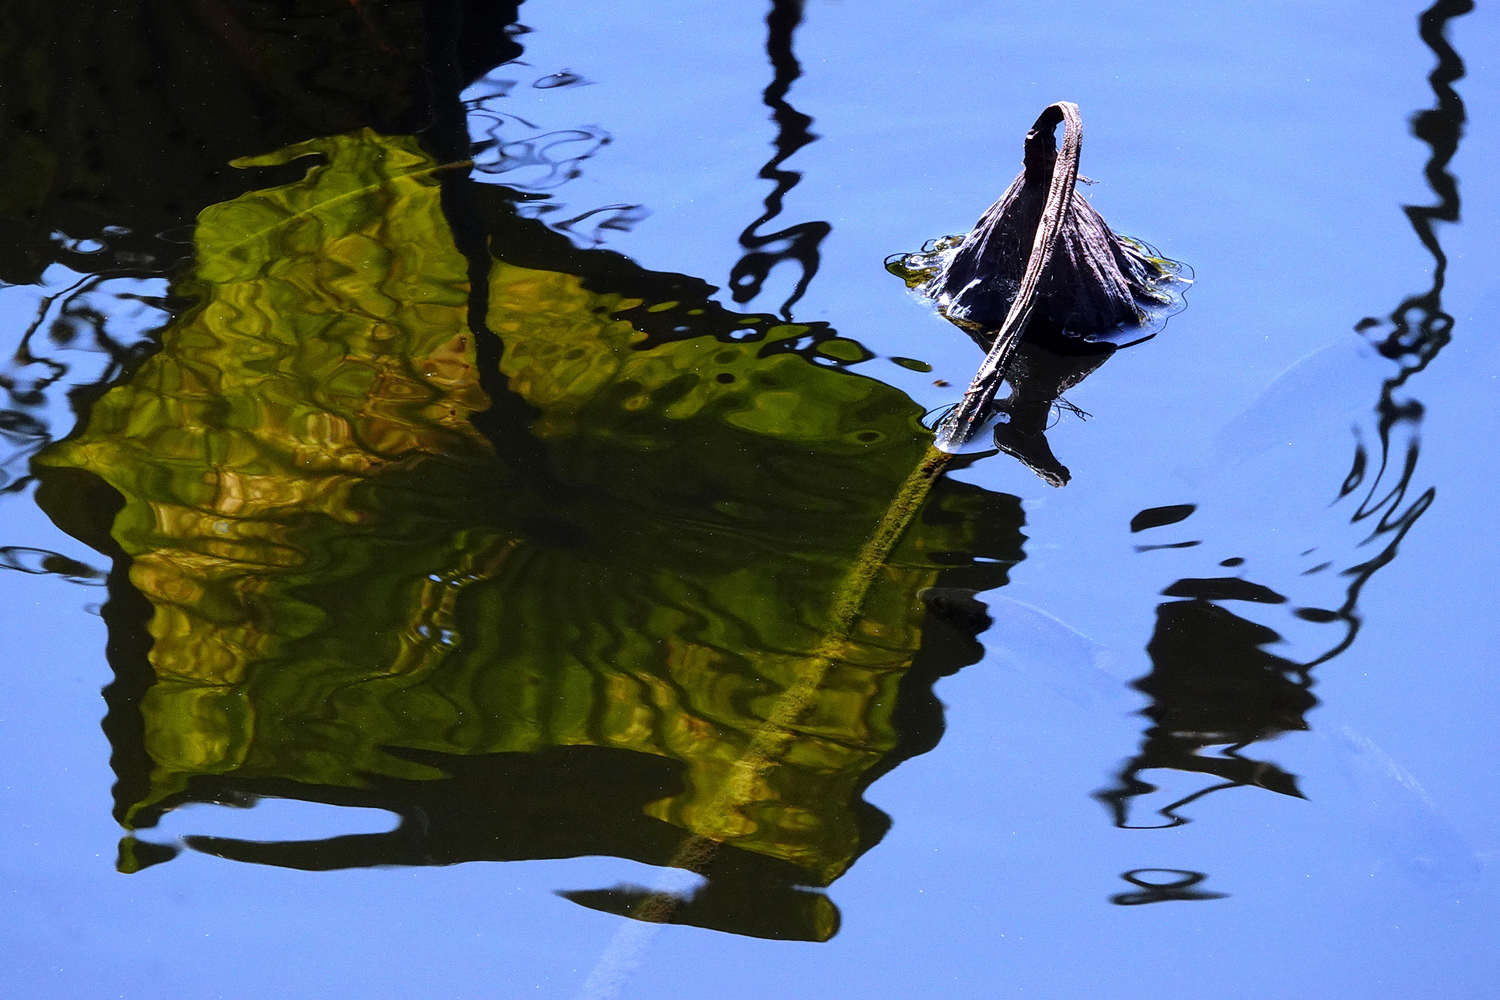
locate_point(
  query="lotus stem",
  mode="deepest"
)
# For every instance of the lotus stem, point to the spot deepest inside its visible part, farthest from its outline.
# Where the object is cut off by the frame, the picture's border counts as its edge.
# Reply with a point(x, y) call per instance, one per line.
point(965, 419)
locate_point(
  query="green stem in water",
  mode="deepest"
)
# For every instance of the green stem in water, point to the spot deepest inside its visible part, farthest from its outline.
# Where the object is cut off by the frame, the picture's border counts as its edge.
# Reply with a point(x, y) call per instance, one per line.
point(775, 735)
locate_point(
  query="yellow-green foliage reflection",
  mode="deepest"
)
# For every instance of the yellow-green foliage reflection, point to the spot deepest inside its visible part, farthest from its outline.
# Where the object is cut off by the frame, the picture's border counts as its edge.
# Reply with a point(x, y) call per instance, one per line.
point(339, 563)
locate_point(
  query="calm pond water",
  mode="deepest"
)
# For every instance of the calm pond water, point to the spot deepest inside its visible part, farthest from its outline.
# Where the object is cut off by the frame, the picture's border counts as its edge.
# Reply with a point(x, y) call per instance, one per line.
point(444, 443)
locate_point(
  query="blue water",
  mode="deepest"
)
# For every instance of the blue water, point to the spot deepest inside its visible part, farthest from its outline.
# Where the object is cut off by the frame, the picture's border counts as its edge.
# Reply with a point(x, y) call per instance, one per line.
point(1267, 145)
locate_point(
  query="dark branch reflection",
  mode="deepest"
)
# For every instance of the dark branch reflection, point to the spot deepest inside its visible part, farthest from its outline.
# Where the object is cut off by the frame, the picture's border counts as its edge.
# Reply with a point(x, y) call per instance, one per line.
point(1213, 684)
point(797, 243)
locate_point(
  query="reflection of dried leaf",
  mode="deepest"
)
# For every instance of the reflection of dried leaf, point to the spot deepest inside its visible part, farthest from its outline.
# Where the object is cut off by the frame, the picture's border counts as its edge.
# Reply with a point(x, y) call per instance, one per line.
point(338, 563)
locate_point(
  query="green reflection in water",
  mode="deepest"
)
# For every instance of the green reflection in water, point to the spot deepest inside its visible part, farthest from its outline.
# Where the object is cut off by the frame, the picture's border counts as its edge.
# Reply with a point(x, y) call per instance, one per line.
point(352, 595)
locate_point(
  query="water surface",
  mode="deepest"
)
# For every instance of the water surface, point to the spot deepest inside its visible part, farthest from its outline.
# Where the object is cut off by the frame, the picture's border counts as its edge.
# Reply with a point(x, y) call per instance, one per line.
point(446, 433)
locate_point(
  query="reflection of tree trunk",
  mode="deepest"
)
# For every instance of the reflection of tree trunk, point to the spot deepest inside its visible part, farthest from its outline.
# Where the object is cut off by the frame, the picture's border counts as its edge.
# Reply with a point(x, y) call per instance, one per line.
point(464, 40)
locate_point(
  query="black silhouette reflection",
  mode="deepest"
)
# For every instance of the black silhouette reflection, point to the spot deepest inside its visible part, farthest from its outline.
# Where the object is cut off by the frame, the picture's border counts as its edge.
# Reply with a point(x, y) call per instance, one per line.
point(796, 243)
point(1180, 888)
point(1213, 684)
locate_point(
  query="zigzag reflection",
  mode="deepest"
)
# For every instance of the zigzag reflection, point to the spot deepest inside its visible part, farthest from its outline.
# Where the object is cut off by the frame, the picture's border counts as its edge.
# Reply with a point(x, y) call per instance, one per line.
point(1213, 682)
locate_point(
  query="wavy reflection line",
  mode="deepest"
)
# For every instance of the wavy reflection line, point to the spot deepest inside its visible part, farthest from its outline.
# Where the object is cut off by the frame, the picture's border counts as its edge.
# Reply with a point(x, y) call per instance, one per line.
point(1419, 328)
point(1180, 888)
point(1250, 695)
point(800, 242)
